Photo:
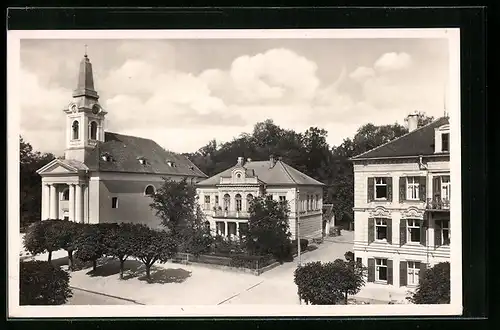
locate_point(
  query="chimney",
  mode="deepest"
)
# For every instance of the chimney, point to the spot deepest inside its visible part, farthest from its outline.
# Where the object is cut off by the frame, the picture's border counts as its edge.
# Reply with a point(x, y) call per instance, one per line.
point(412, 120)
point(240, 161)
point(272, 161)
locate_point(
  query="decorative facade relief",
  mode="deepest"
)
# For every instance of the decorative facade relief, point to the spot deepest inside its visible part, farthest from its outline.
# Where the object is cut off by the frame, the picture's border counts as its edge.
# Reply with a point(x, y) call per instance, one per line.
point(380, 212)
point(412, 213)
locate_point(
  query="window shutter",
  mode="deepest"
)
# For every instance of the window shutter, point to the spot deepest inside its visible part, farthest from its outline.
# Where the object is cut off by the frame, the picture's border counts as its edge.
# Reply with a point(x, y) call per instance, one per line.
point(389, 189)
point(437, 235)
point(403, 273)
point(371, 230)
point(402, 189)
point(422, 189)
point(389, 272)
point(371, 270)
point(402, 232)
point(371, 189)
point(436, 188)
point(423, 270)
point(389, 231)
point(423, 231)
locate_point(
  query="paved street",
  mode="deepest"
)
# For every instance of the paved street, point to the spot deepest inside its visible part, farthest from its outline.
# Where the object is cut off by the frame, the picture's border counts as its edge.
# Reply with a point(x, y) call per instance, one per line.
point(87, 298)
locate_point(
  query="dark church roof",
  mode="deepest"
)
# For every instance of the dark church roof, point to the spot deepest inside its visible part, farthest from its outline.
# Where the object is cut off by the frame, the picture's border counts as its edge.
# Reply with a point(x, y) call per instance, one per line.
point(419, 142)
point(279, 174)
point(124, 154)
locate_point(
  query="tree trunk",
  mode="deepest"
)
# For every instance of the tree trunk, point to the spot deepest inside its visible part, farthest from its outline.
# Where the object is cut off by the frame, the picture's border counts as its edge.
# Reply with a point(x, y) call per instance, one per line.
point(122, 266)
point(94, 264)
point(50, 257)
point(148, 272)
point(70, 260)
point(345, 298)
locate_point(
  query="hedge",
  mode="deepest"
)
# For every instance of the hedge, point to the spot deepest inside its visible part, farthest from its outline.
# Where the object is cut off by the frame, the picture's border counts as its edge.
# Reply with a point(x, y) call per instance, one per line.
point(41, 283)
point(304, 243)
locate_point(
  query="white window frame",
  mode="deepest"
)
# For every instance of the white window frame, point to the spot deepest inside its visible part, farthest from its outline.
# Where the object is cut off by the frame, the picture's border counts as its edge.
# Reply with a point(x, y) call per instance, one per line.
point(381, 263)
point(445, 188)
point(238, 202)
point(410, 225)
point(205, 203)
point(443, 229)
point(380, 182)
point(413, 273)
point(381, 222)
point(412, 188)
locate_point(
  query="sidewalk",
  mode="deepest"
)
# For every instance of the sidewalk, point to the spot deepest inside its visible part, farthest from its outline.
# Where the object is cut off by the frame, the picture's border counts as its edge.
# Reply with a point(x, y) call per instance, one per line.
point(346, 236)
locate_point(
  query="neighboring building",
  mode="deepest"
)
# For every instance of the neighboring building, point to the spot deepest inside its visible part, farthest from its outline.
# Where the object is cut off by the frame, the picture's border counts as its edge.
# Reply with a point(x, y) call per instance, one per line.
point(402, 206)
point(106, 177)
point(225, 197)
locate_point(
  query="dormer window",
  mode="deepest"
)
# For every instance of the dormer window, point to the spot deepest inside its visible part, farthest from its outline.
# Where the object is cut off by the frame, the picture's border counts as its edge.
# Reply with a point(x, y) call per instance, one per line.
point(170, 163)
point(142, 160)
point(106, 157)
point(445, 142)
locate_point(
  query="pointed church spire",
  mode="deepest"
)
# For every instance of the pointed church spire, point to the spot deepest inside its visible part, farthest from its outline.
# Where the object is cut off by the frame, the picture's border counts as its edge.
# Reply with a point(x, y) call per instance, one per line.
point(85, 85)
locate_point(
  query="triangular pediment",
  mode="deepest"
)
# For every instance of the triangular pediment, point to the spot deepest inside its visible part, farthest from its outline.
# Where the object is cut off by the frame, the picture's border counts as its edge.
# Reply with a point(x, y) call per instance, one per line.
point(57, 167)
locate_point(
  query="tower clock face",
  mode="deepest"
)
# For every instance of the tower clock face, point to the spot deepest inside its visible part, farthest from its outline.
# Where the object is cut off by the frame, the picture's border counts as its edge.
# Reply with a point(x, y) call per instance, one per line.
point(95, 109)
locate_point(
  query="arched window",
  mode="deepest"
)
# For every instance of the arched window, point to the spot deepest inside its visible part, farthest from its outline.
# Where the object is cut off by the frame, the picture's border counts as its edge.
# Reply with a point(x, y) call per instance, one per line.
point(93, 130)
point(65, 195)
point(150, 190)
point(249, 201)
point(238, 202)
point(227, 202)
point(76, 130)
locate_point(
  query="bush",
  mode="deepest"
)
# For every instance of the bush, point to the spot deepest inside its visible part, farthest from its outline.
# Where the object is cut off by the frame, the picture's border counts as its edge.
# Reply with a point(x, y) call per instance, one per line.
point(43, 284)
point(349, 256)
point(304, 243)
point(251, 262)
point(34, 239)
point(434, 286)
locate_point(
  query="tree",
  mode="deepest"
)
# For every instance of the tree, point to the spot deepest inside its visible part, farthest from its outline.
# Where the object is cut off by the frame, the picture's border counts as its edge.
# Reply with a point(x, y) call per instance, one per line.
point(118, 242)
point(43, 284)
point(434, 286)
point(150, 246)
point(69, 233)
point(52, 232)
point(34, 239)
point(329, 283)
point(89, 245)
point(268, 229)
point(175, 204)
point(30, 182)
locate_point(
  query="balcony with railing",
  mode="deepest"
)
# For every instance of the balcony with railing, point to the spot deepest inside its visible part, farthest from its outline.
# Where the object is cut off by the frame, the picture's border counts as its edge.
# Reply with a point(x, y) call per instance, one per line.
point(230, 214)
point(438, 204)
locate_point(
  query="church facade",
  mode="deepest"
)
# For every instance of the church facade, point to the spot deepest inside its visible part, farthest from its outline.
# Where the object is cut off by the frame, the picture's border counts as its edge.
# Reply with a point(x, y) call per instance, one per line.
point(104, 176)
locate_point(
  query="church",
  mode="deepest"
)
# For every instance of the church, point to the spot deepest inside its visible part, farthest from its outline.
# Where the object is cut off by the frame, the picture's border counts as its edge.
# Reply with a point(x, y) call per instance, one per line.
point(104, 176)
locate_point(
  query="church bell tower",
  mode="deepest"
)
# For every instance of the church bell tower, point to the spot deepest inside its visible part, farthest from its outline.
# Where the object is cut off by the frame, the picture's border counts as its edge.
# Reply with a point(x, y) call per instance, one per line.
point(84, 116)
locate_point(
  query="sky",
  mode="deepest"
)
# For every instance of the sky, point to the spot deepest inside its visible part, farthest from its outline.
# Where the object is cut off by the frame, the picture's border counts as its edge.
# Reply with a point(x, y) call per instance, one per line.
point(184, 93)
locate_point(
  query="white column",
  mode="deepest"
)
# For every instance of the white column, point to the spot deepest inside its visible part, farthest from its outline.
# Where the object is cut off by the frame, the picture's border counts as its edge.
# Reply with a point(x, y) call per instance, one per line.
point(45, 202)
point(71, 202)
point(225, 229)
point(54, 212)
point(79, 203)
point(237, 229)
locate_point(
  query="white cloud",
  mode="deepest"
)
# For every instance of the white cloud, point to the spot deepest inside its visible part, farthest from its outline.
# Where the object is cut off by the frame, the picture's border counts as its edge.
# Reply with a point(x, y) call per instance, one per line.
point(362, 72)
point(393, 61)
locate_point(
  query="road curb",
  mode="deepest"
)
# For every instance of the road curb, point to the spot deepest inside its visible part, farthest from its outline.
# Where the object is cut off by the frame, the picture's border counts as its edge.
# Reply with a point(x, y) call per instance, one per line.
point(107, 295)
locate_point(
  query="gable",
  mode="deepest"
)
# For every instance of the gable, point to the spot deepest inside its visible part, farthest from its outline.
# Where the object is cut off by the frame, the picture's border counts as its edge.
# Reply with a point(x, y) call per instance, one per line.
point(57, 167)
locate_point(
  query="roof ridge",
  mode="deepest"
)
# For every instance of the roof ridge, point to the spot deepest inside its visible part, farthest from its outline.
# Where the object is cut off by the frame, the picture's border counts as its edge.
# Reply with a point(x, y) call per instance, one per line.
point(286, 171)
point(132, 136)
point(398, 138)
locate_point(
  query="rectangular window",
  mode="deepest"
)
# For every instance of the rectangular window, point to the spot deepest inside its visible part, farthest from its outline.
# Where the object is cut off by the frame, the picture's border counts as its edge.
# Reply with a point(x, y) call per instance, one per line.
point(282, 199)
point(114, 202)
point(445, 231)
point(381, 270)
point(412, 185)
point(269, 197)
point(231, 229)
point(216, 200)
point(445, 142)
point(380, 188)
point(413, 272)
point(238, 204)
point(413, 226)
point(380, 229)
point(207, 202)
point(445, 189)
point(66, 218)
